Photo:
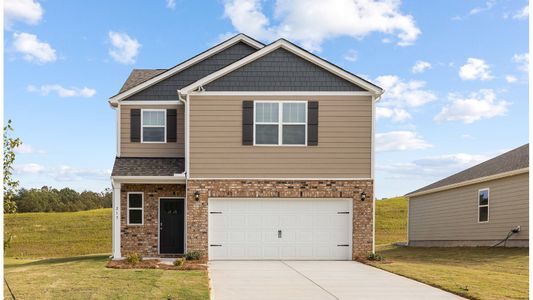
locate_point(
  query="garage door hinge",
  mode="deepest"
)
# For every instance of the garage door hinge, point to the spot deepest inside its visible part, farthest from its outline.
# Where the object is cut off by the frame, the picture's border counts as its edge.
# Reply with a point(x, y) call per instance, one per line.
point(343, 212)
point(216, 212)
point(343, 245)
point(215, 245)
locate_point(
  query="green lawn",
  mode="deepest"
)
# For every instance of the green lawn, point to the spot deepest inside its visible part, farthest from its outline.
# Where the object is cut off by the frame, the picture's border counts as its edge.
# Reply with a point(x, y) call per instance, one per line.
point(48, 235)
point(87, 278)
point(476, 273)
point(40, 236)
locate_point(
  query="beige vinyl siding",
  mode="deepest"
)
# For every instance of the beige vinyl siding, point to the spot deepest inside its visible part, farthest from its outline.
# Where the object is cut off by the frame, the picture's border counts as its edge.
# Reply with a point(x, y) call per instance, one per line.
point(343, 151)
point(129, 149)
point(453, 214)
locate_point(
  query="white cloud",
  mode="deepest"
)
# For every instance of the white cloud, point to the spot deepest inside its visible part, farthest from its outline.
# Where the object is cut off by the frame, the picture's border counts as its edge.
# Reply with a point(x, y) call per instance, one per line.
point(400, 141)
point(63, 173)
point(27, 149)
point(475, 68)
point(522, 14)
point(510, 78)
point(351, 55)
point(44, 90)
point(433, 166)
point(27, 11)
point(421, 66)
point(488, 5)
point(396, 114)
point(171, 4)
point(311, 22)
point(476, 106)
point(124, 48)
point(523, 61)
point(32, 49)
point(401, 93)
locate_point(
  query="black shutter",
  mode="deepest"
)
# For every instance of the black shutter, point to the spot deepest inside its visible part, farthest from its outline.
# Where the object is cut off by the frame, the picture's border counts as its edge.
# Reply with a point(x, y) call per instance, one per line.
point(135, 126)
point(312, 123)
point(171, 125)
point(247, 122)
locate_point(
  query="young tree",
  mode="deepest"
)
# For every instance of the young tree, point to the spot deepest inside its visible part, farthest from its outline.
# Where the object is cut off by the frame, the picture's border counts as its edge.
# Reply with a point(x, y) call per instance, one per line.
point(10, 184)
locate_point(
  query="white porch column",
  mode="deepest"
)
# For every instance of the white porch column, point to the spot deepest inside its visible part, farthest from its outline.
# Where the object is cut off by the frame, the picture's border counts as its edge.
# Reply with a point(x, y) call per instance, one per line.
point(116, 221)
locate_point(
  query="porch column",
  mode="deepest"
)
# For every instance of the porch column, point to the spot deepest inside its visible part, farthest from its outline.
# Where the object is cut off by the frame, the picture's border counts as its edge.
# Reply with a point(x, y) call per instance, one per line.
point(116, 221)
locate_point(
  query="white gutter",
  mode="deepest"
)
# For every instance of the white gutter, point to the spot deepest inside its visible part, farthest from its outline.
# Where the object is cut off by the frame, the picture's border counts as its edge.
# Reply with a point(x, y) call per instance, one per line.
point(469, 182)
point(186, 103)
point(177, 178)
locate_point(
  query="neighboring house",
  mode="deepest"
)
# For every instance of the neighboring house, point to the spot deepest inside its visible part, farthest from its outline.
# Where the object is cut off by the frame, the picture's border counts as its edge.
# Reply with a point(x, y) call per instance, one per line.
point(479, 206)
point(245, 151)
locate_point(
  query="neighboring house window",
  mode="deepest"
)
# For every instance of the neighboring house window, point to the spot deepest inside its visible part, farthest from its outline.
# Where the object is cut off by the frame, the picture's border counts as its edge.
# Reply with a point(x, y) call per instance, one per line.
point(135, 208)
point(280, 123)
point(483, 205)
point(153, 123)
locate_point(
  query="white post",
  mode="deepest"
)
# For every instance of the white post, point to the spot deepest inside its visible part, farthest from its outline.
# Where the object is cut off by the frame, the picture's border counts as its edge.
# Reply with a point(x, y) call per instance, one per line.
point(116, 221)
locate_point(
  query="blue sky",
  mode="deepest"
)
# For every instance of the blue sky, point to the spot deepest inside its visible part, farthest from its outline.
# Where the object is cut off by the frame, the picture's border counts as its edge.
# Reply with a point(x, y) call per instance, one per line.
point(456, 74)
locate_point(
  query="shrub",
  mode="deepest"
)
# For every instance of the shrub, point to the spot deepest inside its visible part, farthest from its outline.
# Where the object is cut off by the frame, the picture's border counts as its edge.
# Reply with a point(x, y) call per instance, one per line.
point(179, 261)
point(194, 255)
point(134, 258)
point(375, 257)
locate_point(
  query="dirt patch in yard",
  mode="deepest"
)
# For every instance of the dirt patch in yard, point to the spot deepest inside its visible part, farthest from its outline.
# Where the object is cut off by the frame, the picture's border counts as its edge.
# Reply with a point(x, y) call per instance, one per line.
point(156, 264)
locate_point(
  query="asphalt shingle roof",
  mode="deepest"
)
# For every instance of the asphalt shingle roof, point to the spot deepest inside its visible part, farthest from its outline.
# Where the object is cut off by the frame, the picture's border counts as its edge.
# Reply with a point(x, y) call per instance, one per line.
point(147, 166)
point(138, 76)
point(513, 160)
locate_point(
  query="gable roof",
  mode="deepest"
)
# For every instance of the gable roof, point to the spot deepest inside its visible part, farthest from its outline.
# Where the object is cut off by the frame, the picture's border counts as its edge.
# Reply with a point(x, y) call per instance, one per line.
point(138, 76)
point(282, 43)
point(169, 72)
point(514, 160)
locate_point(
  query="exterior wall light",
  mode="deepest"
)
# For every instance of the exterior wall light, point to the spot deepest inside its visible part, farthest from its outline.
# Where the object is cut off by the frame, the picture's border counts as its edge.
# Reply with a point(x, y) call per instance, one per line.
point(363, 196)
point(196, 195)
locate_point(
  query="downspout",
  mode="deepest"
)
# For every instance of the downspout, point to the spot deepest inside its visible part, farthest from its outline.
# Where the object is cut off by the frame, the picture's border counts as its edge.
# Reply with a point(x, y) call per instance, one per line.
point(185, 102)
point(373, 161)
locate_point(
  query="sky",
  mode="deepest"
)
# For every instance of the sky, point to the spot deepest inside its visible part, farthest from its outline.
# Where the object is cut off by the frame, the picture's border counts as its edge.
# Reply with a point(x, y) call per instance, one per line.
point(455, 75)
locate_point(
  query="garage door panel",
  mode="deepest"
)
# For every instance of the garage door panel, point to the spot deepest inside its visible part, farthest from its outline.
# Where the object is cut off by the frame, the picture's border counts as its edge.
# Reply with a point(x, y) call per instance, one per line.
point(310, 228)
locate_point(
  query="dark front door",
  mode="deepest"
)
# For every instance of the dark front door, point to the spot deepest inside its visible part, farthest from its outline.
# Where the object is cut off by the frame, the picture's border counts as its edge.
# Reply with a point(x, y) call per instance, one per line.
point(171, 225)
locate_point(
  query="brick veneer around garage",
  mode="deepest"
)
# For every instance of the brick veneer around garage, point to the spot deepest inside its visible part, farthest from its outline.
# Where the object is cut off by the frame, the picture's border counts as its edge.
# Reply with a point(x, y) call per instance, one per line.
point(197, 211)
point(143, 239)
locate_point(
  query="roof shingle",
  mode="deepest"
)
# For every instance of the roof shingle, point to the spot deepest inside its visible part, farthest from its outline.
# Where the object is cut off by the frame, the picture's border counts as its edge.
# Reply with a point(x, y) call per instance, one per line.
point(513, 160)
point(138, 76)
point(148, 166)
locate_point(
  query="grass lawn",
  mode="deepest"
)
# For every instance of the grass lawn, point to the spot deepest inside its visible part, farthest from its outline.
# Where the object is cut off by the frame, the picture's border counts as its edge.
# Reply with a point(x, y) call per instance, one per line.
point(477, 273)
point(38, 235)
point(87, 278)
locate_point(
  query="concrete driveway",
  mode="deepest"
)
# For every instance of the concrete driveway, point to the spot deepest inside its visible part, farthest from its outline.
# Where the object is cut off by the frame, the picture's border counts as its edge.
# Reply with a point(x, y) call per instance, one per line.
point(294, 280)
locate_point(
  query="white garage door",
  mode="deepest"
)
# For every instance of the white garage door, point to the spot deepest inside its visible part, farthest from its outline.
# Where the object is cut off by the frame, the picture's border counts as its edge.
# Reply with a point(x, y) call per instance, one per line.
point(291, 229)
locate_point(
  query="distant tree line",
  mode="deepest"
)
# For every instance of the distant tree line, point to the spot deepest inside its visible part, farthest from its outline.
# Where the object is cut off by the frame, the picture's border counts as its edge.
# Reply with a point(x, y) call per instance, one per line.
point(47, 199)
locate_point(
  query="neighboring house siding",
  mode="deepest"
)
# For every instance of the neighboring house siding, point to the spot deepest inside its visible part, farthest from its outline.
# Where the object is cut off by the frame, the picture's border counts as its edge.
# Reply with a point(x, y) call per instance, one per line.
point(167, 89)
point(129, 149)
point(281, 70)
point(343, 150)
point(452, 215)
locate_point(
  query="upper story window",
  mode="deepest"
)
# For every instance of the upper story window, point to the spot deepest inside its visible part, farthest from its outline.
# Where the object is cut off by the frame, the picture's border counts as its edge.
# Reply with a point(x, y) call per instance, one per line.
point(153, 123)
point(280, 123)
point(483, 205)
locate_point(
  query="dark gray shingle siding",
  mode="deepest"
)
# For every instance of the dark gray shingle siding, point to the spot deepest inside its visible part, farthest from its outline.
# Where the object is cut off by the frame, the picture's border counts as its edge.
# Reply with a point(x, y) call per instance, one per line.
point(166, 89)
point(140, 166)
point(281, 70)
point(509, 161)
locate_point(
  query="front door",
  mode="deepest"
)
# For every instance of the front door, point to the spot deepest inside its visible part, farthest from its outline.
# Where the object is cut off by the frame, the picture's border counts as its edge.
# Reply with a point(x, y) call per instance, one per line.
point(171, 226)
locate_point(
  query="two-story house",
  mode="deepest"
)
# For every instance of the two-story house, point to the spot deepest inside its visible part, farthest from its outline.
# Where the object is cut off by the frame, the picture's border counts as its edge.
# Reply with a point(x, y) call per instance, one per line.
point(245, 151)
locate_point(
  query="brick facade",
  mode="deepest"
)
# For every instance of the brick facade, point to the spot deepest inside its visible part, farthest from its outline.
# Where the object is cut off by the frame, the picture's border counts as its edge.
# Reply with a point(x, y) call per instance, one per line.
point(143, 239)
point(197, 212)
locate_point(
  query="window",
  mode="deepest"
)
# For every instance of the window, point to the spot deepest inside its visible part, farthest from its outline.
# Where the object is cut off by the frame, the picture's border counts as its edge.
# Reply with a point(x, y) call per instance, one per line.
point(135, 208)
point(280, 123)
point(153, 126)
point(483, 205)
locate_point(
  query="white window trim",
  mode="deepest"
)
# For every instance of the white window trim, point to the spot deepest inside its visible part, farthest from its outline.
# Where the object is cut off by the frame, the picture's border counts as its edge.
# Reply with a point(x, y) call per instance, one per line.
point(154, 126)
point(135, 208)
point(484, 205)
point(280, 123)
